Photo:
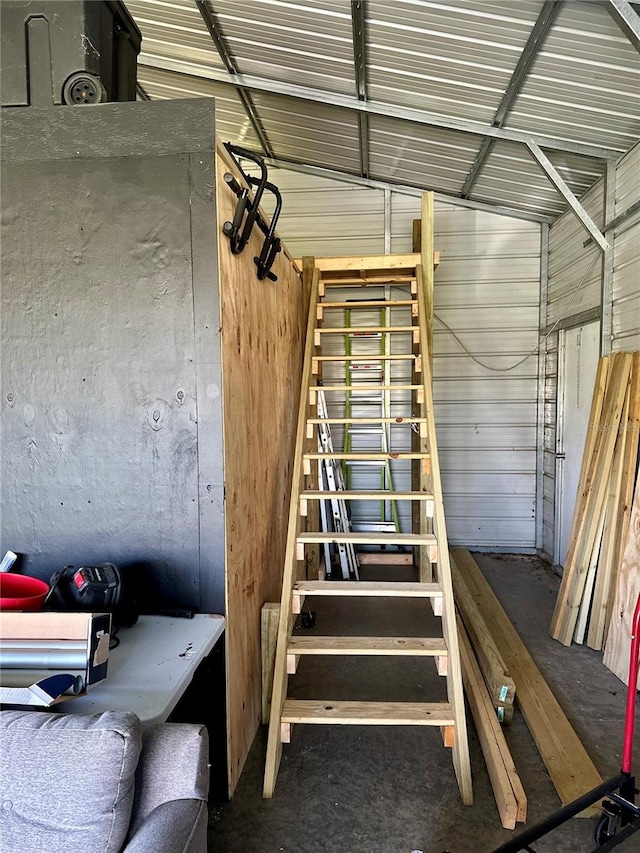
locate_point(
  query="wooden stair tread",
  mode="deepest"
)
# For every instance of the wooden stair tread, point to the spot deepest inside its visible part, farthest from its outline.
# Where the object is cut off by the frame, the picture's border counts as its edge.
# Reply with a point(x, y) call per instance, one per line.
point(356, 330)
point(368, 713)
point(409, 356)
point(319, 645)
point(367, 495)
point(408, 419)
point(370, 303)
point(384, 589)
point(365, 538)
point(368, 455)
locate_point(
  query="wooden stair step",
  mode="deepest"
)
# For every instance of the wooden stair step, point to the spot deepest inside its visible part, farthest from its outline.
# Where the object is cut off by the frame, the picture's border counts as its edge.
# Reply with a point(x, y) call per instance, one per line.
point(367, 358)
point(315, 645)
point(363, 330)
point(361, 304)
point(380, 420)
point(368, 455)
point(366, 495)
point(427, 540)
point(365, 589)
point(368, 713)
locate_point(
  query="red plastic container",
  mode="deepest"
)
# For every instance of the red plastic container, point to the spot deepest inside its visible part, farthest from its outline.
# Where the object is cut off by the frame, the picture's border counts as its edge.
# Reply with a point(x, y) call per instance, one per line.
point(20, 592)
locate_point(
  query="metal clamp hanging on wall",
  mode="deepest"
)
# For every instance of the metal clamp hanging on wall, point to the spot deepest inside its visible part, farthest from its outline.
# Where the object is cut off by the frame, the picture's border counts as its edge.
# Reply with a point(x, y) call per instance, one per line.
point(247, 212)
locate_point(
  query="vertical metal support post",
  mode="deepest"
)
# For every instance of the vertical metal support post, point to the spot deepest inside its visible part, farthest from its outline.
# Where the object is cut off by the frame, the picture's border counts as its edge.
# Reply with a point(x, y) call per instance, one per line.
point(542, 370)
point(606, 298)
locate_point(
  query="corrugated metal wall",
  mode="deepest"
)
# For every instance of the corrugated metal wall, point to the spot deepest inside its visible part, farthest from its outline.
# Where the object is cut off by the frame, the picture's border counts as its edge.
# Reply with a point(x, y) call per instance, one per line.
point(487, 292)
point(575, 262)
point(626, 256)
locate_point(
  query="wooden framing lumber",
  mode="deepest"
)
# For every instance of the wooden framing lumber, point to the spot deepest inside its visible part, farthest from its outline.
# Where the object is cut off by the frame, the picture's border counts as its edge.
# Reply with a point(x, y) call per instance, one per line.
point(591, 499)
point(368, 713)
point(570, 767)
point(505, 782)
point(500, 684)
point(629, 467)
point(617, 651)
point(589, 449)
point(383, 558)
point(274, 743)
point(460, 751)
point(269, 618)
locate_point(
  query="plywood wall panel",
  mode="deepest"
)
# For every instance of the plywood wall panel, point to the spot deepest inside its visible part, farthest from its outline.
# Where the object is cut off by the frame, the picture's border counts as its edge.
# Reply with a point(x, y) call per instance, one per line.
point(262, 343)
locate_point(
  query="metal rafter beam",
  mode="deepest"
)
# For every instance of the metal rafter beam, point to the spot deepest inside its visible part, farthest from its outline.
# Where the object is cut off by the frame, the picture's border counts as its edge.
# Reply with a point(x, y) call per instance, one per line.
point(558, 181)
point(627, 19)
point(402, 189)
point(210, 18)
point(358, 25)
point(348, 102)
point(536, 39)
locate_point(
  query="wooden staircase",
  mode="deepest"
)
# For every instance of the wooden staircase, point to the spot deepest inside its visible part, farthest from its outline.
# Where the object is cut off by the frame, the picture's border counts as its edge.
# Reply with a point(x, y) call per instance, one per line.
point(428, 537)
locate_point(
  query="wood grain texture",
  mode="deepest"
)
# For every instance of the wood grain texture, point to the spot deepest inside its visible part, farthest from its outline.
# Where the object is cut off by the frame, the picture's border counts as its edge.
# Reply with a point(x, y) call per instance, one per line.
point(262, 344)
point(269, 633)
point(616, 655)
point(489, 732)
point(501, 685)
point(570, 768)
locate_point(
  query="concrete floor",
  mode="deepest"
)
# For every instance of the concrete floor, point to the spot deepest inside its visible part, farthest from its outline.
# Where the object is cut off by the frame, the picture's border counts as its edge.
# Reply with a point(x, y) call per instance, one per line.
point(392, 790)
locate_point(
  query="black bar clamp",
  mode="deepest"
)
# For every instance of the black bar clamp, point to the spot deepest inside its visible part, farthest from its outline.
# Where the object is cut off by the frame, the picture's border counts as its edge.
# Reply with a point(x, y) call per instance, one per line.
point(247, 213)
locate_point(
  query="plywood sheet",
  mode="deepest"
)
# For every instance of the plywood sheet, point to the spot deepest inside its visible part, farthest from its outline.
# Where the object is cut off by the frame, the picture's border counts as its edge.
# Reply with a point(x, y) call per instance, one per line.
point(262, 326)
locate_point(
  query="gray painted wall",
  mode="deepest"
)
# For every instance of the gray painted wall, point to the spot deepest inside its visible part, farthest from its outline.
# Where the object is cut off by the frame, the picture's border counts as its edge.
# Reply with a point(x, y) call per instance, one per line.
point(111, 386)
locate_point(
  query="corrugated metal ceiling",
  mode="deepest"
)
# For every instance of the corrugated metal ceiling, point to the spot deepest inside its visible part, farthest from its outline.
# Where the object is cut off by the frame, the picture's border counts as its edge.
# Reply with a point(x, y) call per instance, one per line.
point(450, 61)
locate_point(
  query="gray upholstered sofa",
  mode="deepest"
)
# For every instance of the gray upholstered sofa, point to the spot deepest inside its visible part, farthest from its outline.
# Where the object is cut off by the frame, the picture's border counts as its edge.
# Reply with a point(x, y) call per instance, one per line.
point(101, 784)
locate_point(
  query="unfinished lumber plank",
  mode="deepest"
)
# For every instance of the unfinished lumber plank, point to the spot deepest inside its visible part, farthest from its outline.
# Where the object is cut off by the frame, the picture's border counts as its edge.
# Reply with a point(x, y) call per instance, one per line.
point(559, 613)
point(594, 495)
point(629, 466)
point(311, 278)
point(368, 713)
point(269, 617)
point(368, 262)
point(609, 541)
point(570, 767)
point(587, 595)
point(617, 651)
point(383, 558)
point(489, 732)
point(500, 684)
point(409, 646)
point(384, 589)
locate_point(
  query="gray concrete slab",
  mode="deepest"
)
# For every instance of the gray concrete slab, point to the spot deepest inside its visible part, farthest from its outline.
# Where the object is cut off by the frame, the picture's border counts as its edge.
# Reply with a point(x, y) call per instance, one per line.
point(392, 790)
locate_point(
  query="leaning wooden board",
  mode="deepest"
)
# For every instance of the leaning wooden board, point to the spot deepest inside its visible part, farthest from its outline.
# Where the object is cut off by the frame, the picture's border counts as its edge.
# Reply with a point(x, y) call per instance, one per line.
point(616, 655)
point(570, 768)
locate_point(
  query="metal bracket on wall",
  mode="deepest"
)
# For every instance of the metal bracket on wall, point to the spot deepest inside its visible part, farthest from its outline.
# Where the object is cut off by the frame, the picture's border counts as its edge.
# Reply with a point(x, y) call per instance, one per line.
point(248, 213)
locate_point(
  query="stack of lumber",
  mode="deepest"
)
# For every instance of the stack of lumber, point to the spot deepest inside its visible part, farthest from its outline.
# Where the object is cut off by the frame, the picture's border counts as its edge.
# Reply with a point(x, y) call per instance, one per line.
point(499, 683)
point(570, 768)
point(509, 794)
point(603, 505)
